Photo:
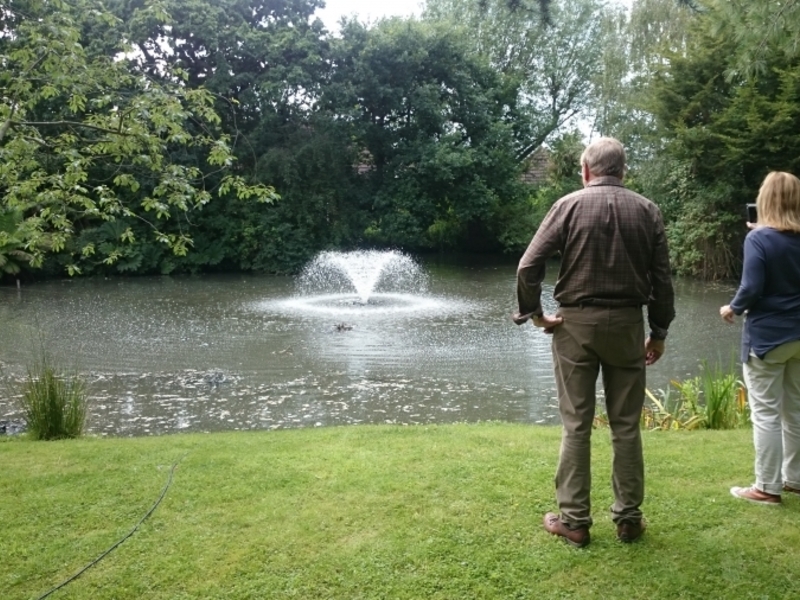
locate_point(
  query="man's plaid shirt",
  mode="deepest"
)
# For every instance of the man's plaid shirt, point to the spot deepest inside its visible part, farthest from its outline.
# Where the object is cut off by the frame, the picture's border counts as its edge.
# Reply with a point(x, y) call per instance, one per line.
point(613, 253)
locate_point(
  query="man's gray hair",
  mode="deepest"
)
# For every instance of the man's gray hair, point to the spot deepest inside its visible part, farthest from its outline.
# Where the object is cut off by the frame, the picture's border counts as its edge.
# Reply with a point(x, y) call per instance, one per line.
point(605, 156)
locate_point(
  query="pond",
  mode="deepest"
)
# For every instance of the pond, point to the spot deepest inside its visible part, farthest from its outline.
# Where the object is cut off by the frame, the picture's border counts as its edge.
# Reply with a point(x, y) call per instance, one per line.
point(239, 352)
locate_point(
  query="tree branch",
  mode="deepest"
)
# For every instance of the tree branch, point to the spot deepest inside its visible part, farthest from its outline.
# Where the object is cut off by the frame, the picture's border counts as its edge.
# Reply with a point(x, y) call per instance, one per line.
point(5, 127)
point(71, 123)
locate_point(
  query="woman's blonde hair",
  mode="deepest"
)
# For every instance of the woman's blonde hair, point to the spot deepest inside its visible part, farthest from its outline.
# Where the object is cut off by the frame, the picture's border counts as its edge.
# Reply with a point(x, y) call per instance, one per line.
point(778, 202)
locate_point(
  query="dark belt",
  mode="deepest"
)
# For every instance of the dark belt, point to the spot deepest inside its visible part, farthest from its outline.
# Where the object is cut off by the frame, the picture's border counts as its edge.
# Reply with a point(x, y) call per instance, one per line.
point(599, 305)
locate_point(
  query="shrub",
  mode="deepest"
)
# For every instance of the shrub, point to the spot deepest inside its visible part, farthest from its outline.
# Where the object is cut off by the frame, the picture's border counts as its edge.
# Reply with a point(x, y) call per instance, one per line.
point(54, 403)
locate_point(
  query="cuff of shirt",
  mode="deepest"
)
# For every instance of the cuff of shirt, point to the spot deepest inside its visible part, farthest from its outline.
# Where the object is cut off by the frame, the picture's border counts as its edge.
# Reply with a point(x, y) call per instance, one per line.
point(519, 318)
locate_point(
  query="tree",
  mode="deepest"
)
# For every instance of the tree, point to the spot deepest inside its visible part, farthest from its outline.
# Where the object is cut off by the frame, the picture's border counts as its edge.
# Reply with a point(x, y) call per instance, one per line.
point(636, 45)
point(552, 64)
point(760, 29)
point(722, 135)
point(266, 61)
point(86, 138)
point(12, 255)
point(431, 121)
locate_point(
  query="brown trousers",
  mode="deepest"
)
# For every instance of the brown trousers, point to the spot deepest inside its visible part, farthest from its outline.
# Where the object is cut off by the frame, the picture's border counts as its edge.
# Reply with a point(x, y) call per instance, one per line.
point(589, 340)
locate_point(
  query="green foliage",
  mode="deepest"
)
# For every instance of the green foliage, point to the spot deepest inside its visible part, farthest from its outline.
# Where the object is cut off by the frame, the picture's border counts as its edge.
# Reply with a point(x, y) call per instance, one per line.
point(266, 62)
point(671, 411)
point(720, 135)
point(140, 138)
point(758, 30)
point(633, 47)
point(53, 402)
point(564, 159)
point(430, 121)
point(85, 138)
point(12, 253)
point(724, 396)
point(563, 177)
point(549, 66)
point(716, 399)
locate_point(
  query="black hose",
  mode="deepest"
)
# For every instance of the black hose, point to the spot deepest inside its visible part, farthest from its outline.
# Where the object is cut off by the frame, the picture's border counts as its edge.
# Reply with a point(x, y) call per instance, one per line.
point(112, 548)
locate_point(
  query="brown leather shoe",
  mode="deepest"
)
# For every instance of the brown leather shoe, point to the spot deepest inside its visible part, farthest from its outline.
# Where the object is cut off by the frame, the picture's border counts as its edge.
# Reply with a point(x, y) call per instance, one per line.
point(578, 537)
point(753, 494)
point(628, 532)
point(791, 490)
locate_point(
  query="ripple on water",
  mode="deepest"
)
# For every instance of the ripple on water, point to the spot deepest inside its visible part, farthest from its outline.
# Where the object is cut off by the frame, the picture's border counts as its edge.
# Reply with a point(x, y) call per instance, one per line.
point(158, 403)
point(379, 305)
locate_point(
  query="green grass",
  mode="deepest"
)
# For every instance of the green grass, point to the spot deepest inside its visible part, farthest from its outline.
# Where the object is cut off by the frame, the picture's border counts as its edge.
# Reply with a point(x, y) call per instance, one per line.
point(440, 512)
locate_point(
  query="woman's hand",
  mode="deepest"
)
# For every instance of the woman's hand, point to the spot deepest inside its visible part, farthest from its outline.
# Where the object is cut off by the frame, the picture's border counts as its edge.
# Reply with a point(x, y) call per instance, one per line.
point(726, 312)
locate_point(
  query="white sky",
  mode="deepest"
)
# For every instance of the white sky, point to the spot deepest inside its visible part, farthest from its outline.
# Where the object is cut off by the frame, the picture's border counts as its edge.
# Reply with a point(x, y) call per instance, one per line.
point(367, 10)
point(371, 10)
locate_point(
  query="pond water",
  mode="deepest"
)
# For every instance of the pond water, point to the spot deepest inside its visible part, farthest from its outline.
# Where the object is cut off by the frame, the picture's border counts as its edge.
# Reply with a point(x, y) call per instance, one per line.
point(236, 352)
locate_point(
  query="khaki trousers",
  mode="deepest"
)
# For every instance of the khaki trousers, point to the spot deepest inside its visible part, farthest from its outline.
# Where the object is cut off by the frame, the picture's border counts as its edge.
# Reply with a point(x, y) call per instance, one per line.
point(593, 339)
point(773, 385)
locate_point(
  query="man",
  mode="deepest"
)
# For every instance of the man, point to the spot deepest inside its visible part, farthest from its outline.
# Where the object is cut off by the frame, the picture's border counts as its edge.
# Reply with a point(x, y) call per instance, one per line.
point(614, 260)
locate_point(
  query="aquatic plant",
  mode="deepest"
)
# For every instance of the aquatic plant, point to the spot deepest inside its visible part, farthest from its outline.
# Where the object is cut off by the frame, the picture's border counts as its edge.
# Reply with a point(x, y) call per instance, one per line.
point(53, 402)
point(715, 399)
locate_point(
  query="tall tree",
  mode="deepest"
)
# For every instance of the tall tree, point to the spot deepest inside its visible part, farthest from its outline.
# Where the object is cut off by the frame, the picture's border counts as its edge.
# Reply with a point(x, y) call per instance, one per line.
point(723, 134)
point(266, 61)
point(554, 64)
point(86, 139)
point(432, 123)
point(759, 29)
point(636, 44)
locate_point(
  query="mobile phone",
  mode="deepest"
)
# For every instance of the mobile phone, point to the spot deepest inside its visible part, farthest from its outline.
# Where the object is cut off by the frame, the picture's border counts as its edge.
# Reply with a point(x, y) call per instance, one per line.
point(752, 213)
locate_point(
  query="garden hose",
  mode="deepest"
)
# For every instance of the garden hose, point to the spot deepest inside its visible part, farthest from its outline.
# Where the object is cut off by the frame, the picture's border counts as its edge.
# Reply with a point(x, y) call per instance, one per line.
point(118, 543)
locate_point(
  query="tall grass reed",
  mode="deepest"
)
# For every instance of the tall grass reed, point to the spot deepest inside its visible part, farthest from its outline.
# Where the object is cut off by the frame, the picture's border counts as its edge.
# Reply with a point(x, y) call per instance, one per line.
point(53, 402)
point(715, 399)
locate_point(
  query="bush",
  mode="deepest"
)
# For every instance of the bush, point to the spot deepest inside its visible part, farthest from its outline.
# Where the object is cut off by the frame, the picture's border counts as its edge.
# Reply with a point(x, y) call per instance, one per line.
point(54, 403)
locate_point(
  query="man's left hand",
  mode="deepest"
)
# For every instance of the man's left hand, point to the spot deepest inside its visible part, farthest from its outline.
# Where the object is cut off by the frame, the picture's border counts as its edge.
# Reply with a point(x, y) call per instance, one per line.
point(653, 350)
point(547, 322)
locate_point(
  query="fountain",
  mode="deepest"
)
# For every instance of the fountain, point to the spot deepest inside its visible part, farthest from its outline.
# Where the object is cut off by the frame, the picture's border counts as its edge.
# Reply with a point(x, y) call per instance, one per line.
point(363, 272)
point(362, 282)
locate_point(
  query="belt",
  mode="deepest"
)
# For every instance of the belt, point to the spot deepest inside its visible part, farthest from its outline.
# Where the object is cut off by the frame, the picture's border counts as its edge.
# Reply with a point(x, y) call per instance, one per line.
point(599, 305)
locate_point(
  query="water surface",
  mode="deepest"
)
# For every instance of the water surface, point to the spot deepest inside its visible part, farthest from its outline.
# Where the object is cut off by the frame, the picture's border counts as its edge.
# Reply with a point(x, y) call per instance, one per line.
point(214, 353)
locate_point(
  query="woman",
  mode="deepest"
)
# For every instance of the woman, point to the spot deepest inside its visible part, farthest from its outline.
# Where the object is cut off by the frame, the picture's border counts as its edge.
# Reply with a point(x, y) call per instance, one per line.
point(770, 293)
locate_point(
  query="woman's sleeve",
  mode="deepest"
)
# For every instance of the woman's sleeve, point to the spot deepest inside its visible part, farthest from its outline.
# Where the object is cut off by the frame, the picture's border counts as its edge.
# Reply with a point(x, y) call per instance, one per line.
point(753, 274)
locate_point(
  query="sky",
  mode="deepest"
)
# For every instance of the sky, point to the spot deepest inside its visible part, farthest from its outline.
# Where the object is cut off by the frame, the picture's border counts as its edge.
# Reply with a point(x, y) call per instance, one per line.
point(370, 10)
point(367, 10)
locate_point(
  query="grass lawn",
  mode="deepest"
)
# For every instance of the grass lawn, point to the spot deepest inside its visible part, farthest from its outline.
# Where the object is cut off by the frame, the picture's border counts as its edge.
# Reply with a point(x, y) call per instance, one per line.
point(446, 512)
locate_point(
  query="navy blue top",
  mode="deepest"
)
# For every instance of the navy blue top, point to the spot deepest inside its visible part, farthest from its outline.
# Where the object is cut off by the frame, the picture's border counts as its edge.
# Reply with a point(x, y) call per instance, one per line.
point(769, 291)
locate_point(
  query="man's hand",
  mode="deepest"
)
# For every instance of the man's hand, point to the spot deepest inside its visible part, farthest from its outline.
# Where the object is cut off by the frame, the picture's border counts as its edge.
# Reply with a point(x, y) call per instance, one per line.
point(726, 312)
point(653, 350)
point(547, 322)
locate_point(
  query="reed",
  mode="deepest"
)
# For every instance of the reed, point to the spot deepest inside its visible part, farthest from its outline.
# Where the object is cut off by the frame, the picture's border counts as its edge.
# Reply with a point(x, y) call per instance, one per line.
point(715, 399)
point(725, 398)
point(53, 402)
